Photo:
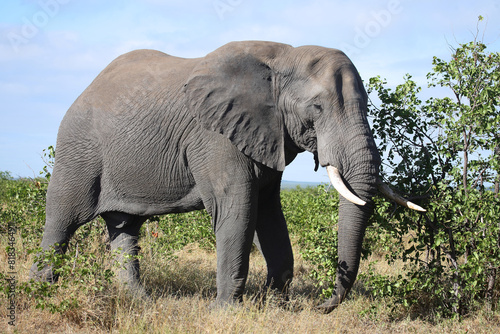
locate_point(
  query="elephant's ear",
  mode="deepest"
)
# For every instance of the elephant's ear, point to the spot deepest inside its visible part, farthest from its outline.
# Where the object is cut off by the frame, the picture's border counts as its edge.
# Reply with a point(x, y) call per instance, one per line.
point(231, 92)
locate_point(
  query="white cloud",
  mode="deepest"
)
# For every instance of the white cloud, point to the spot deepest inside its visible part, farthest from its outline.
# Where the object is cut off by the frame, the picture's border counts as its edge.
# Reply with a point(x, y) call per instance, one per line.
point(63, 39)
point(12, 88)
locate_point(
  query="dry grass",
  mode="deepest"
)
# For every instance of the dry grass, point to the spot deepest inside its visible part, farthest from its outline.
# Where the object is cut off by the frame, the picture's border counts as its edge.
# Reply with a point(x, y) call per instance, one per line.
point(184, 287)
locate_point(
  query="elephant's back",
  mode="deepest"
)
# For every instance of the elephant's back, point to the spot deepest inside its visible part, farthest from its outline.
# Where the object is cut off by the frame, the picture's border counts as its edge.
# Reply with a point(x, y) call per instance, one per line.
point(136, 81)
point(137, 91)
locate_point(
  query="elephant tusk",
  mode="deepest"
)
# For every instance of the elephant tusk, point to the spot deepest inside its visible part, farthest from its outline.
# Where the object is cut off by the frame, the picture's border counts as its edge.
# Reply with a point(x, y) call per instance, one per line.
point(338, 184)
point(390, 194)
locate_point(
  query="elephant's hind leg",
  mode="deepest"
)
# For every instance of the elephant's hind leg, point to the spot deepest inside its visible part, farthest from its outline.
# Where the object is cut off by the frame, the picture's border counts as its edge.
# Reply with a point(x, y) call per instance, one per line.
point(71, 202)
point(53, 238)
point(124, 234)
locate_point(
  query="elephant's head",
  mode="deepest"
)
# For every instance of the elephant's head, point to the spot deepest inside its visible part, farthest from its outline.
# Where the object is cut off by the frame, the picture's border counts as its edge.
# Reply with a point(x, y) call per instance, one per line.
point(274, 101)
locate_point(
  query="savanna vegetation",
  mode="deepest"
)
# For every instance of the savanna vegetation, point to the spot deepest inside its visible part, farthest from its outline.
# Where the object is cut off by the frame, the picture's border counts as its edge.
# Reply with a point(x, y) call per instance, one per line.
point(427, 272)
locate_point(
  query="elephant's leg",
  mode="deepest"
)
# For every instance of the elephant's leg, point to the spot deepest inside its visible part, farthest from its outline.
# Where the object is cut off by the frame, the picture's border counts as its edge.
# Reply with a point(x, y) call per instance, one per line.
point(56, 236)
point(124, 233)
point(234, 225)
point(273, 241)
point(68, 207)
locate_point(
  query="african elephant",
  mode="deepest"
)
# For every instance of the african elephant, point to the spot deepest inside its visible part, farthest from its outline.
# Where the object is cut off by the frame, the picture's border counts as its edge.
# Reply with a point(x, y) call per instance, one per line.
point(155, 134)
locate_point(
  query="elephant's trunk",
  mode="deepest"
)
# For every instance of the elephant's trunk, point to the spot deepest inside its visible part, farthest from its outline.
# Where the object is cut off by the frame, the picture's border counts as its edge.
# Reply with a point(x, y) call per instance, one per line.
point(352, 224)
point(353, 219)
point(358, 168)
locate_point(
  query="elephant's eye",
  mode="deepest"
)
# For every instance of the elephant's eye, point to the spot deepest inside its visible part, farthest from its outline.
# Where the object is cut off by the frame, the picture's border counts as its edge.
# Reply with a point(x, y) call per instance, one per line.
point(318, 107)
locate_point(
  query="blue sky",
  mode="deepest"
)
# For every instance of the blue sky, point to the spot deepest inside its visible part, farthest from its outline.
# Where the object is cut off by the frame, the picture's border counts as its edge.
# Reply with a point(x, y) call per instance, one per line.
point(51, 50)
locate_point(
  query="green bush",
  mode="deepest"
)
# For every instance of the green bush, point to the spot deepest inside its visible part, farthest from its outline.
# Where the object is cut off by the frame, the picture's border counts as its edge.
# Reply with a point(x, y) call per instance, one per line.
point(445, 153)
point(312, 216)
point(174, 231)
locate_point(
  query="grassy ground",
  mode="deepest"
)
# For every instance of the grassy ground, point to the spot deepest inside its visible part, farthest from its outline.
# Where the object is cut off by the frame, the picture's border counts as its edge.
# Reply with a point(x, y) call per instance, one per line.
point(185, 287)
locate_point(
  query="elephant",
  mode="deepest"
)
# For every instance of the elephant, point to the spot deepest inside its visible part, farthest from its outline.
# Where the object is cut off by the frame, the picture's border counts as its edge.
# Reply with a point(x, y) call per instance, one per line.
point(155, 134)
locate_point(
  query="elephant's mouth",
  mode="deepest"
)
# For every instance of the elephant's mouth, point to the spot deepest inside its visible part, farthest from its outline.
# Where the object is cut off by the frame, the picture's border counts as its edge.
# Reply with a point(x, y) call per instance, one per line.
point(343, 190)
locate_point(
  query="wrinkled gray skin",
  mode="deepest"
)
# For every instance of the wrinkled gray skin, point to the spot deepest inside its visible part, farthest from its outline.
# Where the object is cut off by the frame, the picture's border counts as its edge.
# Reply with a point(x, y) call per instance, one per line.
point(156, 134)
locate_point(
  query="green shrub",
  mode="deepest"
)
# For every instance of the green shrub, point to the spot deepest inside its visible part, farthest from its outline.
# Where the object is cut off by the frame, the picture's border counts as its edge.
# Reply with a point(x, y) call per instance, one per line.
point(445, 152)
point(174, 231)
point(312, 216)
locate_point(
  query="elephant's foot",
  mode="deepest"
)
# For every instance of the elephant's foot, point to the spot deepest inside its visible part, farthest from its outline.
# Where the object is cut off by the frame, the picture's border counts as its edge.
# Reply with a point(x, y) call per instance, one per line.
point(46, 274)
point(274, 296)
point(136, 291)
point(219, 305)
point(329, 305)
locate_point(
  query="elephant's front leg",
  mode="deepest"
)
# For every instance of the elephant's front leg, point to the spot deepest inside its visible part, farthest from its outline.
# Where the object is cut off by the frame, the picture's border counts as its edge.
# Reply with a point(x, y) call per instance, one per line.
point(234, 224)
point(124, 233)
point(272, 239)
